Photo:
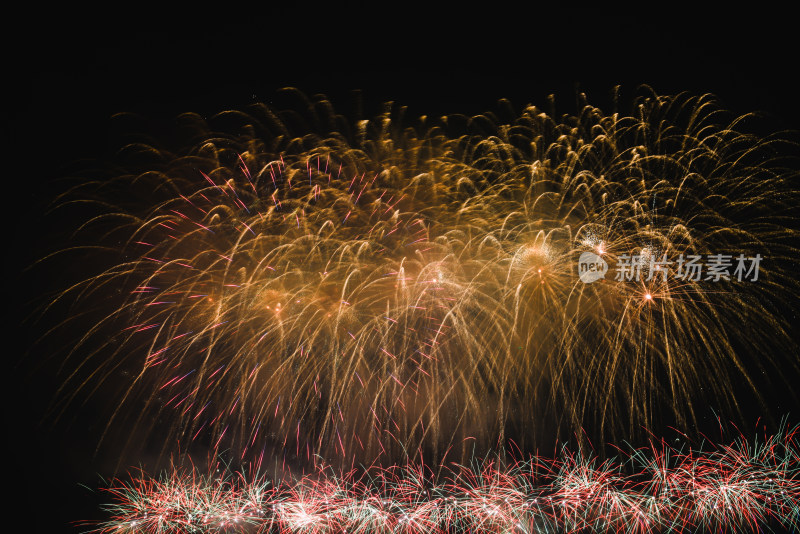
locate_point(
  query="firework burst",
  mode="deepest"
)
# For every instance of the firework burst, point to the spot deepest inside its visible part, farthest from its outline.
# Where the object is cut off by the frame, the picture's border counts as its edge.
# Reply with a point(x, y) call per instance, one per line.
point(743, 487)
point(378, 290)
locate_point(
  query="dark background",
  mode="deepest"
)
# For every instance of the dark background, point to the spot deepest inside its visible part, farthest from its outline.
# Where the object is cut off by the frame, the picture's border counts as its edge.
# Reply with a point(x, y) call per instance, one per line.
point(71, 70)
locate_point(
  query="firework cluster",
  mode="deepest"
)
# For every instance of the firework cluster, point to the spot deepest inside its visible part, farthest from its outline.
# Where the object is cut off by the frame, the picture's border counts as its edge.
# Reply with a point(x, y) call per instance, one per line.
point(378, 290)
point(316, 291)
point(739, 488)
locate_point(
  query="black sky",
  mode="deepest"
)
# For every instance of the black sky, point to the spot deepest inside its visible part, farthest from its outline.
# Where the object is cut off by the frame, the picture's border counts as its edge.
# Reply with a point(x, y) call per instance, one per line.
point(70, 71)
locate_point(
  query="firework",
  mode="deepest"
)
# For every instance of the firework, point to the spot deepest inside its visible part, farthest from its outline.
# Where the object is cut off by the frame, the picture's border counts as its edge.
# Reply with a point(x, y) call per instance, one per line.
point(743, 487)
point(380, 290)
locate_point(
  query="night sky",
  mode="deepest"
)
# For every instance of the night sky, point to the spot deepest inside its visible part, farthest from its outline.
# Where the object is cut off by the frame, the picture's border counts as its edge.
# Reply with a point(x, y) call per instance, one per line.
point(71, 72)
